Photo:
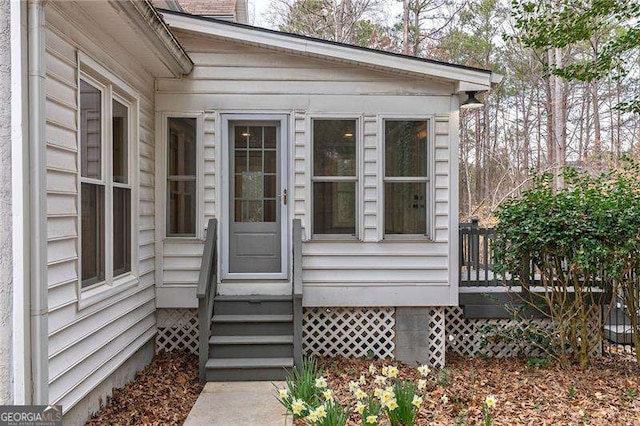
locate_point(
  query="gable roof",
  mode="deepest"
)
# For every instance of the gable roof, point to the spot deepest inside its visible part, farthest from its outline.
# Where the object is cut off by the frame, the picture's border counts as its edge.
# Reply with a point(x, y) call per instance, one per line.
point(228, 10)
point(465, 77)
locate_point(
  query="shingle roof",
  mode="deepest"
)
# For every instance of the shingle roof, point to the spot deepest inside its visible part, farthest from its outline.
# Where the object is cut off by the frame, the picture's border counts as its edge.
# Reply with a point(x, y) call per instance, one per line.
point(209, 7)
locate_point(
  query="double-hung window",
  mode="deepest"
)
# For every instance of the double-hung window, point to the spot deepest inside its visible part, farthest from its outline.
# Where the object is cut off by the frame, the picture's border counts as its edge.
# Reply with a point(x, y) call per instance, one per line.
point(334, 177)
point(181, 176)
point(406, 177)
point(106, 183)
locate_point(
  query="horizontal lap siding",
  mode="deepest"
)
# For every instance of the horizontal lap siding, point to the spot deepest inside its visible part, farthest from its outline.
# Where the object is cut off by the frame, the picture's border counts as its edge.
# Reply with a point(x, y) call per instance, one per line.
point(86, 346)
point(233, 77)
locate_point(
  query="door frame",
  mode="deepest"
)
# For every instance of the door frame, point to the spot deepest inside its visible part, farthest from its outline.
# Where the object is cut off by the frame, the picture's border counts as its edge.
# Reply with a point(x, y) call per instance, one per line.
point(225, 219)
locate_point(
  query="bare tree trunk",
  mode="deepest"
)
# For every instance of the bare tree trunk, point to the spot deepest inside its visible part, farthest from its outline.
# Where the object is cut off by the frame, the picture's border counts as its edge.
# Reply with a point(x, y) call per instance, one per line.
point(559, 120)
point(405, 28)
point(597, 142)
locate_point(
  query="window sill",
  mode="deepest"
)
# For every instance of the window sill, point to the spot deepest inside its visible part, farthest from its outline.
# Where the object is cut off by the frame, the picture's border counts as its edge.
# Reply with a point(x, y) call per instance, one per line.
point(184, 240)
point(333, 238)
point(104, 291)
point(407, 238)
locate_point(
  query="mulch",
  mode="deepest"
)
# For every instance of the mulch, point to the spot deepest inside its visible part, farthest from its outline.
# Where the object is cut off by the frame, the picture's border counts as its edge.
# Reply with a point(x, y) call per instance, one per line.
point(161, 394)
point(606, 393)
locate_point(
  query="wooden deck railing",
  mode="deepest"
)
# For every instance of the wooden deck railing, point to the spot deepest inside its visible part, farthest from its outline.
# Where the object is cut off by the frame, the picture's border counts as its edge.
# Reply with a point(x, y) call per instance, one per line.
point(476, 256)
point(207, 283)
point(297, 292)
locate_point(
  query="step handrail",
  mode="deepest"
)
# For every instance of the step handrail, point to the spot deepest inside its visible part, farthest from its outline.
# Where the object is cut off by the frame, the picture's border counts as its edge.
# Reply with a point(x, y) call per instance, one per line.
point(207, 286)
point(297, 292)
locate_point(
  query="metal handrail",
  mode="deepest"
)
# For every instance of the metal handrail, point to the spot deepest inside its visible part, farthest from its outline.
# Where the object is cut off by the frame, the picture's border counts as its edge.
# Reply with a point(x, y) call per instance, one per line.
point(207, 286)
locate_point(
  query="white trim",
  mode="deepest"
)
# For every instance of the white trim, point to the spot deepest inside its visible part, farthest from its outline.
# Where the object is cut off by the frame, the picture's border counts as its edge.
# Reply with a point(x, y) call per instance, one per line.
point(342, 53)
point(454, 208)
point(20, 189)
point(111, 88)
point(223, 170)
point(161, 177)
point(429, 179)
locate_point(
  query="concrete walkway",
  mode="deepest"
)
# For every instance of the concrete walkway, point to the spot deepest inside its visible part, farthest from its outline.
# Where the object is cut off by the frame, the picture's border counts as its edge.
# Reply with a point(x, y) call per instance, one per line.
point(238, 403)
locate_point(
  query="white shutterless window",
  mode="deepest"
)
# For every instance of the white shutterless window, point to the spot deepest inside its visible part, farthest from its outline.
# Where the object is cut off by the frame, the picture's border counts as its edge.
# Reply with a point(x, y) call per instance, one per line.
point(106, 142)
point(406, 177)
point(334, 178)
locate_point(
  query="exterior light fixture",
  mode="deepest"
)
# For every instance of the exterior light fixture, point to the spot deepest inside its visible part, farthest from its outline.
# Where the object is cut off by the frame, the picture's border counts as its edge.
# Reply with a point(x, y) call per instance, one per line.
point(471, 102)
point(245, 134)
point(348, 135)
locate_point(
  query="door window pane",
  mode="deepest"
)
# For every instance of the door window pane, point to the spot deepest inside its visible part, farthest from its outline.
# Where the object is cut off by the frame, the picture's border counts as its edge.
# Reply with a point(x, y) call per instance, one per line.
point(93, 230)
point(405, 148)
point(90, 130)
point(334, 208)
point(120, 128)
point(334, 147)
point(121, 231)
point(182, 146)
point(181, 220)
point(405, 208)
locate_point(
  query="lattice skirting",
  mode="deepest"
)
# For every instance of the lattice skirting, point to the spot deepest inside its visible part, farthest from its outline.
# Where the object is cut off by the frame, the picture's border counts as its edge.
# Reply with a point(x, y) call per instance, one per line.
point(437, 331)
point(469, 337)
point(349, 332)
point(177, 330)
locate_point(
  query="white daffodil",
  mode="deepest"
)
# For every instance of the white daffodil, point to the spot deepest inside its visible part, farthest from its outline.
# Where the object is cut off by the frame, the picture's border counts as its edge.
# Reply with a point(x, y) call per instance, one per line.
point(384, 370)
point(312, 417)
point(391, 405)
point(321, 382)
point(328, 395)
point(353, 386)
point(297, 406)
point(424, 370)
point(490, 401)
point(283, 393)
point(445, 399)
point(417, 401)
point(321, 412)
point(362, 380)
point(380, 380)
point(372, 369)
point(360, 394)
point(422, 384)
point(372, 419)
point(392, 371)
point(360, 407)
point(377, 392)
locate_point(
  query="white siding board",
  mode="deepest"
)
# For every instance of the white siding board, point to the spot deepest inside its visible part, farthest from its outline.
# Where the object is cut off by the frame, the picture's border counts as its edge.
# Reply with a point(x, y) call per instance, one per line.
point(86, 345)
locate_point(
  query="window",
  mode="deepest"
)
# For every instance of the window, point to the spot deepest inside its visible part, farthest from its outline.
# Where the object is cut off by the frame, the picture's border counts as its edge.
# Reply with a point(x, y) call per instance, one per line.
point(105, 195)
point(181, 176)
point(334, 177)
point(406, 177)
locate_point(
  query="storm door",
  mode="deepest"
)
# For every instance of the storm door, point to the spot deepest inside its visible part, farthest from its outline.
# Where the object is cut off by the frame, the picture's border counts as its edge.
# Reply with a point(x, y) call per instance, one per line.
point(256, 197)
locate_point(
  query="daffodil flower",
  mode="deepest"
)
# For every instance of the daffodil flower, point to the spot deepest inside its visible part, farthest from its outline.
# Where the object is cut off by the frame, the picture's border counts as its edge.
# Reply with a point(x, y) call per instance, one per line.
point(283, 393)
point(360, 394)
point(377, 392)
point(445, 399)
point(362, 380)
point(372, 419)
point(321, 412)
point(380, 380)
point(328, 395)
point(297, 406)
point(417, 401)
point(392, 371)
point(372, 369)
point(360, 408)
point(490, 401)
point(422, 384)
point(321, 382)
point(391, 405)
point(312, 417)
point(424, 370)
point(353, 386)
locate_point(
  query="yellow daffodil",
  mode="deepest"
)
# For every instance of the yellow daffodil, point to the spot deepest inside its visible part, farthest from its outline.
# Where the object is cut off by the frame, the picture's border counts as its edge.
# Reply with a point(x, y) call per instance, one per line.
point(424, 370)
point(377, 392)
point(386, 397)
point(417, 401)
point(312, 417)
point(422, 384)
point(362, 380)
point(372, 419)
point(392, 371)
point(321, 412)
point(391, 405)
point(490, 401)
point(283, 393)
point(389, 389)
point(328, 395)
point(372, 369)
point(360, 394)
point(445, 399)
point(321, 382)
point(353, 386)
point(360, 408)
point(384, 370)
point(297, 406)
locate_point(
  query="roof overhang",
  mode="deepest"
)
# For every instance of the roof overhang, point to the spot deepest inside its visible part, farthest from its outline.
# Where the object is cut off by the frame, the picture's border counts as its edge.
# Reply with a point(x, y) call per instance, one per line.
point(145, 16)
point(465, 78)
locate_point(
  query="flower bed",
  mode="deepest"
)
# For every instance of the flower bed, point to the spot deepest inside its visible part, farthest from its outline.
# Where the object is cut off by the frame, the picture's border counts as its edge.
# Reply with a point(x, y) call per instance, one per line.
point(469, 390)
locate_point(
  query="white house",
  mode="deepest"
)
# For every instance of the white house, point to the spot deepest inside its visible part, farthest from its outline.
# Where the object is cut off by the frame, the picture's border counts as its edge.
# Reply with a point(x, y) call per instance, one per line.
point(329, 168)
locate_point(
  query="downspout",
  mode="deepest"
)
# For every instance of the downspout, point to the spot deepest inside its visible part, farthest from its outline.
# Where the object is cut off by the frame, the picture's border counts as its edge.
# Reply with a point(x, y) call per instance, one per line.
point(38, 202)
point(21, 345)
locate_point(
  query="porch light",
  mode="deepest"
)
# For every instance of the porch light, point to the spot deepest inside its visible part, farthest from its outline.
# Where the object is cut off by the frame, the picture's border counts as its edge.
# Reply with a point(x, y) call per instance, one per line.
point(471, 102)
point(348, 135)
point(245, 134)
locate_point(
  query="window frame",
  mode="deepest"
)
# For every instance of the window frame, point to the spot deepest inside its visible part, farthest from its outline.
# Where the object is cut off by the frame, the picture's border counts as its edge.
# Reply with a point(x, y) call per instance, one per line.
point(162, 177)
point(112, 89)
point(428, 179)
point(356, 179)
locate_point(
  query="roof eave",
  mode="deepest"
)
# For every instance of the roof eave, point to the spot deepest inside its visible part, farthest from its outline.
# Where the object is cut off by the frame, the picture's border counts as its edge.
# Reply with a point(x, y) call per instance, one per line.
point(145, 16)
point(480, 79)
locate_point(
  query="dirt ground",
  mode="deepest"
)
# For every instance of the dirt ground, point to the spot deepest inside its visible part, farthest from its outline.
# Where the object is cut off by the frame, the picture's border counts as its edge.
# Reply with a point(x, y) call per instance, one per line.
point(161, 394)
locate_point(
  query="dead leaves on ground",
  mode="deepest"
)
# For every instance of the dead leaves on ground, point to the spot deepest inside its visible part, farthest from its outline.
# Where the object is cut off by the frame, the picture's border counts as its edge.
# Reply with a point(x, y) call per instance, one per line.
point(161, 394)
point(606, 393)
